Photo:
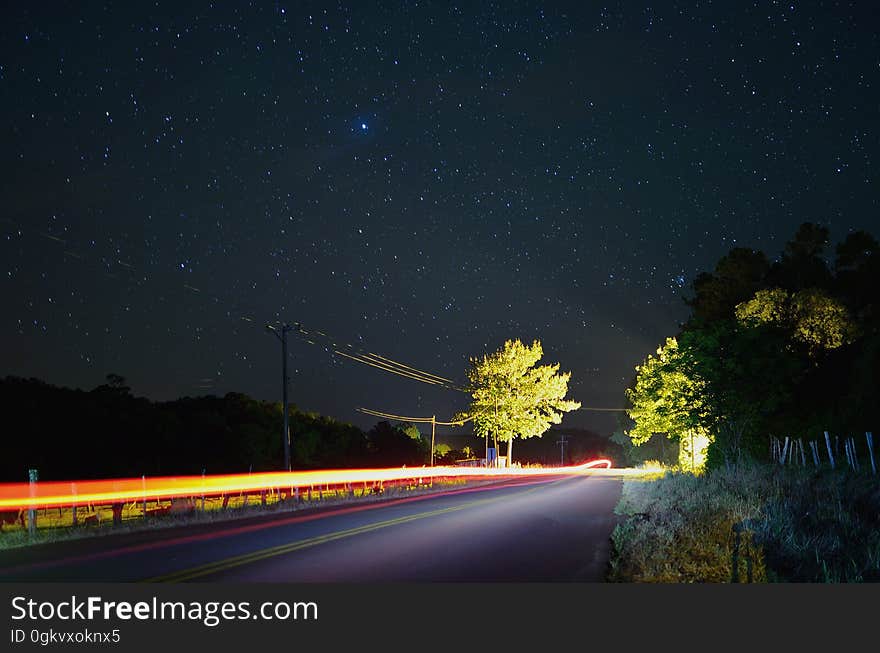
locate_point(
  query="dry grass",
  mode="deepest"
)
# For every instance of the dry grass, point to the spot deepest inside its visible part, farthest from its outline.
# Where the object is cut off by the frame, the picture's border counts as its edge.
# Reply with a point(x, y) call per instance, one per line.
point(795, 524)
point(679, 529)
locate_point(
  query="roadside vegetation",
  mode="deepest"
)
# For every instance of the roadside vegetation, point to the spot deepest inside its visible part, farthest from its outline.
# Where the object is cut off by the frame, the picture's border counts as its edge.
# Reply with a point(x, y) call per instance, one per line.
point(775, 346)
point(792, 525)
point(777, 352)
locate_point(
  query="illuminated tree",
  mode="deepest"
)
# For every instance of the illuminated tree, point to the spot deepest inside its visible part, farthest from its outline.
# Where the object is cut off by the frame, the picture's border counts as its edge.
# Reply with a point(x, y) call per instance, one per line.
point(769, 349)
point(662, 397)
point(814, 319)
point(511, 398)
point(665, 398)
point(766, 307)
point(411, 430)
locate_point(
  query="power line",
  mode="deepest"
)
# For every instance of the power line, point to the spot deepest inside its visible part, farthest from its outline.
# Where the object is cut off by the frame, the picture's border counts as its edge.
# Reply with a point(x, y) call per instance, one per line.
point(401, 418)
point(404, 418)
point(388, 368)
point(420, 420)
point(439, 378)
point(381, 362)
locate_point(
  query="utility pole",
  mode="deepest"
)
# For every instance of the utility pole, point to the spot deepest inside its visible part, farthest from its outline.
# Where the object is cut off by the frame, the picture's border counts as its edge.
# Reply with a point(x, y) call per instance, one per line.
point(282, 336)
point(419, 420)
point(433, 429)
point(561, 442)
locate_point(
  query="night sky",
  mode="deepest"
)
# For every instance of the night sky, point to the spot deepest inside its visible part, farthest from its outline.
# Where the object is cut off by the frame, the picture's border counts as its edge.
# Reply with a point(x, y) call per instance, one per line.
point(423, 181)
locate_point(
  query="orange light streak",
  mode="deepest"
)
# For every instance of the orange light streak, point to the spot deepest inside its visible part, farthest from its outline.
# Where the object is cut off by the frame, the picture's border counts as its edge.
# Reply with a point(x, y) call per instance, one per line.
point(50, 494)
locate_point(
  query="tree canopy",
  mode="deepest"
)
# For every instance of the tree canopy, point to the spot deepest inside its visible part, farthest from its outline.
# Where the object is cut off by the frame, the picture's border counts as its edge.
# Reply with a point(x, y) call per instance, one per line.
point(512, 398)
point(664, 398)
point(776, 349)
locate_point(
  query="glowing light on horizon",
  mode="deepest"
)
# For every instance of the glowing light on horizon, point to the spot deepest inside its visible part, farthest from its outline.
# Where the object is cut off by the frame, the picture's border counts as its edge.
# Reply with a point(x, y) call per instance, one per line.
point(51, 494)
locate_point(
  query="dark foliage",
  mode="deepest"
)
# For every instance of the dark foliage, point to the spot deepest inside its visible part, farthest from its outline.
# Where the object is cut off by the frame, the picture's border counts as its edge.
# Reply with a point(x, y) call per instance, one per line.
point(107, 432)
point(581, 445)
point(763, 381)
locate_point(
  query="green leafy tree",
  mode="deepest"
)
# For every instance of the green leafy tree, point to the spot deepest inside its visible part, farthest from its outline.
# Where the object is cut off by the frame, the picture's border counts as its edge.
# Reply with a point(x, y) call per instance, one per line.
point(814, 319)
point(512, 398)
point(667, 398)
point(787, 351)
point(663, 399)
point(769, 306)
point(411, 430)
point(746, 378)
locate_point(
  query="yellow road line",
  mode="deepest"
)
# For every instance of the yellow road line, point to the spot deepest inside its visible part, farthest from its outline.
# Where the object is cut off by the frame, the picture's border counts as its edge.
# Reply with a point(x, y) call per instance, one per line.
point(254, 556)
point(236, 561)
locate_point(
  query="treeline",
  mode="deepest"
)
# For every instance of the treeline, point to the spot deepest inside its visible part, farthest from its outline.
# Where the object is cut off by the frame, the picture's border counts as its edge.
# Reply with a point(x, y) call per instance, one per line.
point(580, 445)
point(108, 432)
point(780, 347)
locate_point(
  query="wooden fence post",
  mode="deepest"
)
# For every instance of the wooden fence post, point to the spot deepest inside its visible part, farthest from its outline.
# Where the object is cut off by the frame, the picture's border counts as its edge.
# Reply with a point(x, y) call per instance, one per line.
point(117, 513)
point(734, 563)
point(828, 444)
point(815, 449)
point(32, 511)
point(75, 516)
point(870, 438)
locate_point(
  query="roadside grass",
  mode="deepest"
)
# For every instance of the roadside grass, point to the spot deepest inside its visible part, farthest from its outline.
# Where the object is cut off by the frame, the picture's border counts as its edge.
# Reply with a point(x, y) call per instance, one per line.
point(768, 523)
point(55, 525)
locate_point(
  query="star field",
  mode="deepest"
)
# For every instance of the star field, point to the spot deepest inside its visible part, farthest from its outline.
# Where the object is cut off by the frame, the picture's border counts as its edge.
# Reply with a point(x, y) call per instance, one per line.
point(423, 181)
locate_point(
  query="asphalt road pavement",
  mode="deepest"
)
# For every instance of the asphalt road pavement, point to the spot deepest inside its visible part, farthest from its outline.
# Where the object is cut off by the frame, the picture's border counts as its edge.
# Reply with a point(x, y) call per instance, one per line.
point(545, 530)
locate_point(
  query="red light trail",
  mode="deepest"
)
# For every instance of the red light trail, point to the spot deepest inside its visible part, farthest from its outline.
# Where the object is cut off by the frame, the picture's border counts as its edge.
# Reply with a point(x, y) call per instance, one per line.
point(51, 494)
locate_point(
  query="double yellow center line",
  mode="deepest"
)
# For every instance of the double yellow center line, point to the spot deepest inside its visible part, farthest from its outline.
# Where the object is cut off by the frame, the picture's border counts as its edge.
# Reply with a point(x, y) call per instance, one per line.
point(255, 556)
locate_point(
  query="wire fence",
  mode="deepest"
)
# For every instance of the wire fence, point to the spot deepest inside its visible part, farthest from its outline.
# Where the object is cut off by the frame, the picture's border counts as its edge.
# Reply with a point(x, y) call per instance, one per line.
point(833, 451)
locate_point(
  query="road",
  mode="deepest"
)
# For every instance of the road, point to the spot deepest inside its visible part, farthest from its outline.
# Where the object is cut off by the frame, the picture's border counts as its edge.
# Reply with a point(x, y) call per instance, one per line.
point(546, 530)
